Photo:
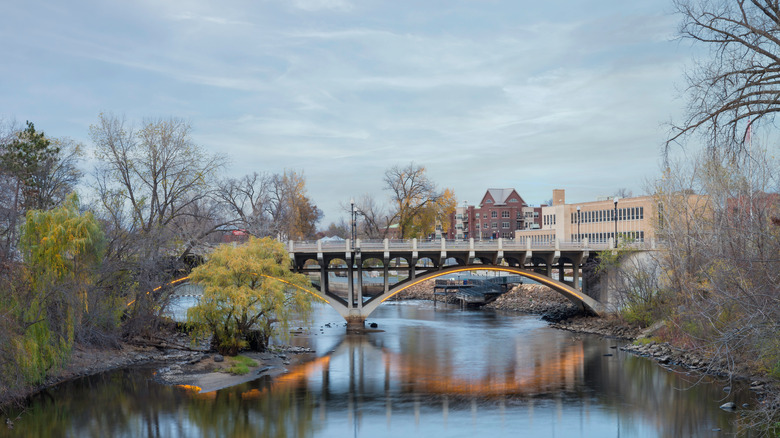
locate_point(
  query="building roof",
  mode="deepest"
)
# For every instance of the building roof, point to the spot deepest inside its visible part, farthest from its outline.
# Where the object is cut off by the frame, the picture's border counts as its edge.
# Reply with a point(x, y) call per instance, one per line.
point(501, 196)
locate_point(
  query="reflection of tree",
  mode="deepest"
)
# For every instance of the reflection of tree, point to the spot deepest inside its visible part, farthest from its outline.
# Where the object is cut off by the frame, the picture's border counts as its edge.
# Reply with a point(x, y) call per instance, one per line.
point(640, 392)
point(248, 410)
point(418, 371)
point(128, 403)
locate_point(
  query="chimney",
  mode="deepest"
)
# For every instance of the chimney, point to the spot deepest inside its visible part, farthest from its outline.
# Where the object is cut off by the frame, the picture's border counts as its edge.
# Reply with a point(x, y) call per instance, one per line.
point(559, 196)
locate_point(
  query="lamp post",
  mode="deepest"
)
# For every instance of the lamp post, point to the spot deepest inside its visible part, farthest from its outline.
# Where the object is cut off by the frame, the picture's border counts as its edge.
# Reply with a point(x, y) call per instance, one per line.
point(615, 214)
point(354, 221)
point(579, 237)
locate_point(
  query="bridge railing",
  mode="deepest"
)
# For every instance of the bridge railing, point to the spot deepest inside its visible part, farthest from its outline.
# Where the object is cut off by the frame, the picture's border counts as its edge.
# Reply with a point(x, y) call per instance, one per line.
point(485, 245)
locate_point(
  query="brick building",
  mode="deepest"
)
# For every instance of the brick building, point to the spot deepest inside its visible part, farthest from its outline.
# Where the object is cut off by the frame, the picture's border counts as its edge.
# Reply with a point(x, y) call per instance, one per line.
point(499, 214)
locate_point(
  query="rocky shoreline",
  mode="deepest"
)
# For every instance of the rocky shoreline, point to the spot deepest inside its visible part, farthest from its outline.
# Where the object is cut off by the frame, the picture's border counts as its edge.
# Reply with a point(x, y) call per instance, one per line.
point(564, 315)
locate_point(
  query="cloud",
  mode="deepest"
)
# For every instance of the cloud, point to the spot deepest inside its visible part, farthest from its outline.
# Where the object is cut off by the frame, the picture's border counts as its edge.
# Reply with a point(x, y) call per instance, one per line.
point(483, 93)
point(318, 5)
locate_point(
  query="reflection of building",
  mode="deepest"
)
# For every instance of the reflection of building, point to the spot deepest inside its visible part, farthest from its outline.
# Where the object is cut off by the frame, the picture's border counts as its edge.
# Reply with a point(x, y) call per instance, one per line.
point(499, 214)
point(597, 220)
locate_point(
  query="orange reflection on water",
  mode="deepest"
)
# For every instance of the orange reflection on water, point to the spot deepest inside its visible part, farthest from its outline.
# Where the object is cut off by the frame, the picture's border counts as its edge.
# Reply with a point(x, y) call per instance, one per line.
point(194, 392)
point(533, 375)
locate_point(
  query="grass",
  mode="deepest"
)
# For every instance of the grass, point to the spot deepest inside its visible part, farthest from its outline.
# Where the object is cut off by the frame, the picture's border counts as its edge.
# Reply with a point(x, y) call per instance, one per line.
point(240, 365)
point(645, 341)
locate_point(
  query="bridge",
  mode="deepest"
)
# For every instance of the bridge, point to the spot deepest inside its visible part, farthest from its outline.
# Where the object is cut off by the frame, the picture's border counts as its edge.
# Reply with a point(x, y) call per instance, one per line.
point(411, 262)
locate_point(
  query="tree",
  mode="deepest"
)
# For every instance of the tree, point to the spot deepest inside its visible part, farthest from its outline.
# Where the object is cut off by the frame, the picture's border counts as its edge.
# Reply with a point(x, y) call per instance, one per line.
point(411, 192)
point(435, 214)
point(738, 86)
point(294, 216)
point(246, 200)
point(62, 248)
point(155, 173)
point(623, 193)
point(247, 288)
point(36, 172)
point(338, 229)
point(372, 219)
point(720, 261)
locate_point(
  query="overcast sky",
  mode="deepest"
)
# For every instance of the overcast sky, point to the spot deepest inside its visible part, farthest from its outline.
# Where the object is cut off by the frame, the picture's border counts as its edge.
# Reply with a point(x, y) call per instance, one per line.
point(534, 95)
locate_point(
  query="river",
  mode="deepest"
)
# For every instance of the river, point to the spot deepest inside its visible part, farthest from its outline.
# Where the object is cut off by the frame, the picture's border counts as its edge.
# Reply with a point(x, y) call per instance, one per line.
point(430, 372)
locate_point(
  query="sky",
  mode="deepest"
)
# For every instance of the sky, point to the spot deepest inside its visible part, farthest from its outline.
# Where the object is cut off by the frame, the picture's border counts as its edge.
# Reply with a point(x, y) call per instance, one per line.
point(485, 94)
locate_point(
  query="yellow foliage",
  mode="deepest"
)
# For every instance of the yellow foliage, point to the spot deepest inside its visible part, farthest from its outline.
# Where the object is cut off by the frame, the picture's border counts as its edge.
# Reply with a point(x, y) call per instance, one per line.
point(242, 294)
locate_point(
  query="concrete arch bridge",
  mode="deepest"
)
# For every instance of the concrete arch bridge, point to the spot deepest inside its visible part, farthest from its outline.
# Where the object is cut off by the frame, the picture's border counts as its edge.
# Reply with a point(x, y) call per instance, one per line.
point(385, 260)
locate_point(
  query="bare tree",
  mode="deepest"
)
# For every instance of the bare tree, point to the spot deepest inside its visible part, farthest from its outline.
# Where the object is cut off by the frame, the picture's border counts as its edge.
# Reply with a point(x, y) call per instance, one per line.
point(372, 218)
point(411, 191)
point(151, 177)
point(740, 84)
point(247, 201)
point(623, 193)
point(338, 229)
point(721, 262)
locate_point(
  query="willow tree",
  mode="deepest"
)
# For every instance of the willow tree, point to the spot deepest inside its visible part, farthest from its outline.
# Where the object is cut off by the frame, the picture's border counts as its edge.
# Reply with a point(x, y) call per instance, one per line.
point(61, 248)
point(249, 295)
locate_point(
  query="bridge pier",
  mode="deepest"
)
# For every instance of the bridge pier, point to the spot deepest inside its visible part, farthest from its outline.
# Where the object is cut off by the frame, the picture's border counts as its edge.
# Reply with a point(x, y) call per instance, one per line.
point(355, 322)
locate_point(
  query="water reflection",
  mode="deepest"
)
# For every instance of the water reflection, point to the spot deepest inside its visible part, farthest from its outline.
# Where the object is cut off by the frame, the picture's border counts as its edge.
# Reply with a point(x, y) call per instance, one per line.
point(433, 372)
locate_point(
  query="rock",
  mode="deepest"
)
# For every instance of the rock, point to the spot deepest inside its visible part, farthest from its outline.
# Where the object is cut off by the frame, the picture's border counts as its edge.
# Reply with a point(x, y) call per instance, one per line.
point(745, 405)
point(219, 358)
point(664, 359)
point(730, 406)
point(726, 389)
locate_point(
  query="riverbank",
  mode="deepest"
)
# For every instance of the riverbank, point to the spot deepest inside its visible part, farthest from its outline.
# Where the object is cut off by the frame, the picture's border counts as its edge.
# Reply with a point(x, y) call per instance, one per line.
point(179, 363)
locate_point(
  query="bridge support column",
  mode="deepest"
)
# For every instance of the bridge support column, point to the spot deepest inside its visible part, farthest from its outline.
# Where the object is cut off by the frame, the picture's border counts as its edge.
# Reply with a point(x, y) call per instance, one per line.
point(323, 278)
point(351, 286)
point(359, 265)
point(355, 322)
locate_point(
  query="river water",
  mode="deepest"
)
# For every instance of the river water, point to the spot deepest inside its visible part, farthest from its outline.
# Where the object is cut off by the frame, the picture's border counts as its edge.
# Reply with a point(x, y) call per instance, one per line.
point(430, 372)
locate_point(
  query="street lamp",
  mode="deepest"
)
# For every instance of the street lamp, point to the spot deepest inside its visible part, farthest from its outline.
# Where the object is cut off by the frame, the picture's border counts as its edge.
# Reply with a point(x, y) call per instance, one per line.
point(579, 235)
point(353, 212)
point(615, 200)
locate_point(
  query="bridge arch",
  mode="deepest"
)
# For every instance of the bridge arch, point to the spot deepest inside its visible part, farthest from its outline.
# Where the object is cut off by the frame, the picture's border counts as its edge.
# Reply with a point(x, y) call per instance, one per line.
point(356, 316)
point(585, 302)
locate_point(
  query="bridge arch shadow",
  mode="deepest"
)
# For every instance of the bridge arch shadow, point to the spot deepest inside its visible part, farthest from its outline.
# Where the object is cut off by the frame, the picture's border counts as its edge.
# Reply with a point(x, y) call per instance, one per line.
point(585, 302)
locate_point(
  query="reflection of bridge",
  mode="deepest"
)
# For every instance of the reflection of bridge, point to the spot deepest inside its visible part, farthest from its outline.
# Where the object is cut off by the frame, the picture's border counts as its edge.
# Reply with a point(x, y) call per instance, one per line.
point(413, 262)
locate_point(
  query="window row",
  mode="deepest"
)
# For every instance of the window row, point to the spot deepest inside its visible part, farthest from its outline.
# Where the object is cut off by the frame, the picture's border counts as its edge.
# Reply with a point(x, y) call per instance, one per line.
point(638, 236)
point(608, 215)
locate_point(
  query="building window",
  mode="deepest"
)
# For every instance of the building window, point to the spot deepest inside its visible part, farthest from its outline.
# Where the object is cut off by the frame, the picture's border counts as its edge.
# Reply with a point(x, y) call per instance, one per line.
point(485, 225)
point(504, 224)
point(493, 214)
point(495, 225)
point(484, 215)
point(505, 214)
